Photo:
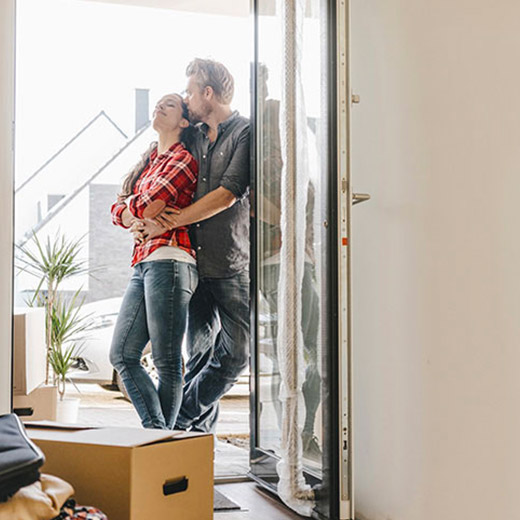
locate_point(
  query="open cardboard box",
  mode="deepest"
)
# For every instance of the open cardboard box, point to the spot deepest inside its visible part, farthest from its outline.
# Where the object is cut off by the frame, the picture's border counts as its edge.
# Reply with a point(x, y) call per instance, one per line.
point(132, 473)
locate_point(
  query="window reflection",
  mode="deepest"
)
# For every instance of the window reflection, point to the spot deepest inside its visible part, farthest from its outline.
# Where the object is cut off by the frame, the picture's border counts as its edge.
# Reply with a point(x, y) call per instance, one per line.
point(269, 246)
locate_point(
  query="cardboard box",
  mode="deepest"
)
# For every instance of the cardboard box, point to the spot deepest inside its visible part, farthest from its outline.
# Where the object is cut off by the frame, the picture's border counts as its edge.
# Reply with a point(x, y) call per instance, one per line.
point(43, 401)
point(132, 473)
point(29, 349)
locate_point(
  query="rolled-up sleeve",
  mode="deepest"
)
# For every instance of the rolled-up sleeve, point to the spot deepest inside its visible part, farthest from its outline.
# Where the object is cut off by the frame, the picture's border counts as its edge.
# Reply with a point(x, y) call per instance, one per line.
point(236, 178)
point(117, 214)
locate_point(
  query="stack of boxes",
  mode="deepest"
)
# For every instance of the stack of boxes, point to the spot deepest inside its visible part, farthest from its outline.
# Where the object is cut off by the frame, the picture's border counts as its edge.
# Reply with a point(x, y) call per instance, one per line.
point(31, 397)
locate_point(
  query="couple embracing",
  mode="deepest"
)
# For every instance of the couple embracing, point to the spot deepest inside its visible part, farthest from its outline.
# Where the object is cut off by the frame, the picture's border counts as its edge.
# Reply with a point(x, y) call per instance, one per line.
point(186, 203)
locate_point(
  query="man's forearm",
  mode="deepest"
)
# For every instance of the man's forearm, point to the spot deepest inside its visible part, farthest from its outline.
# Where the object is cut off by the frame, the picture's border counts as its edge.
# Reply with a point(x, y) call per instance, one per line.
point(211, 204)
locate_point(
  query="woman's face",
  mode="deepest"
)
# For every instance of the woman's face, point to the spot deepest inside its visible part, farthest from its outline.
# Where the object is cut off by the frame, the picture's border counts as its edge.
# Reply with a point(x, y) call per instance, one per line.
point(167, 115)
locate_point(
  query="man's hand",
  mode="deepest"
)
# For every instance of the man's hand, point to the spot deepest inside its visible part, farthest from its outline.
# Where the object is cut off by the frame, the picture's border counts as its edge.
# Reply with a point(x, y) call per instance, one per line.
point(170, 218)
point(144, 230)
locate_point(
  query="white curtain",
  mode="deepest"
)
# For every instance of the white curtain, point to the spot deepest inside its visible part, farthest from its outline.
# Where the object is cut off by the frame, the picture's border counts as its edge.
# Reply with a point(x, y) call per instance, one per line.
point(295, 178)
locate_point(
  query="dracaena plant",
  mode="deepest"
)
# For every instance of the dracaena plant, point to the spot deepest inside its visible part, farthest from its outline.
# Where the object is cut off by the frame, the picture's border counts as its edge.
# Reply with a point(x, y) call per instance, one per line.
point(68, 327)
point(52, 262)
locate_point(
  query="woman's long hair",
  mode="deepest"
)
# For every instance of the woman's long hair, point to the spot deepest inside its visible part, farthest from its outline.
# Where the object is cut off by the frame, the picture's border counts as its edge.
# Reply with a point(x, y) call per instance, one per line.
point(186, 138)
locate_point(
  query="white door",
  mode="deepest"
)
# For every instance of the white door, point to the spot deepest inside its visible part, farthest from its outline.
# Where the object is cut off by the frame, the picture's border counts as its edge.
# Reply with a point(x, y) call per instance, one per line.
point(437, 277)
point(302, 418)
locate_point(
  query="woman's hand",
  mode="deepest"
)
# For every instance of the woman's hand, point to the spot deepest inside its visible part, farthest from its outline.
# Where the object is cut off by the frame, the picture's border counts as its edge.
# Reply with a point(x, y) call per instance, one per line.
point(137, 229)
point(169, 218)
point(144, 230)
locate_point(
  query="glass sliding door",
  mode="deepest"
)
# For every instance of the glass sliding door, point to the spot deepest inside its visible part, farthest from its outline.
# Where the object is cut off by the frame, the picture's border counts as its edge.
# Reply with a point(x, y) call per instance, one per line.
point(295, 445)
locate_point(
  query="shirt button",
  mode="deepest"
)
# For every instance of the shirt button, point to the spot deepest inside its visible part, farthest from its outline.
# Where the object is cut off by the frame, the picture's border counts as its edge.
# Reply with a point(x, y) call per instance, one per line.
point(204, 179)
point(198, 225)
point(203, 156)
point(199, 248)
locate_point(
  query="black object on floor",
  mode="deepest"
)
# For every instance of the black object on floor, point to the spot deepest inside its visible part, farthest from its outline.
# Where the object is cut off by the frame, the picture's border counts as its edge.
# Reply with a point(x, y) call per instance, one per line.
point(20, 458)
point(223, 503)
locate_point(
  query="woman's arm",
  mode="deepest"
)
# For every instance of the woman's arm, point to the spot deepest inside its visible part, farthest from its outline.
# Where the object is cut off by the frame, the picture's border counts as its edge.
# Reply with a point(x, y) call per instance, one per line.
point(120, 214)
point(176, 176)
point(127, 218)
point(144, 230)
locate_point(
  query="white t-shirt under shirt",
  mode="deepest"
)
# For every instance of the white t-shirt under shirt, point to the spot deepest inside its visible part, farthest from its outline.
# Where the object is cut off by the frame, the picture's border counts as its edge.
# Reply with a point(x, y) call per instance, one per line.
point(170, 253)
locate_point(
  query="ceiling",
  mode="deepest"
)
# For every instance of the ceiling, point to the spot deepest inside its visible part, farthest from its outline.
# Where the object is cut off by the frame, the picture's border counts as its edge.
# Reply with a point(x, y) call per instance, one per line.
point(240, 8)
point(223, 7)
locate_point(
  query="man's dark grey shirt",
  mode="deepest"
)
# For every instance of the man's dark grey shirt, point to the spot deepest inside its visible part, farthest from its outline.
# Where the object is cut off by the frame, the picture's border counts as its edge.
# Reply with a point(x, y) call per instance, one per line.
point(222, 241)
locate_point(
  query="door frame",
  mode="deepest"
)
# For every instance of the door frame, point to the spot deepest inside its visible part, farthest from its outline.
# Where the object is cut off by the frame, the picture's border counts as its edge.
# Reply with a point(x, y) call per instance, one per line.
point(7, 107)
point(337, 476)
point(343, 240)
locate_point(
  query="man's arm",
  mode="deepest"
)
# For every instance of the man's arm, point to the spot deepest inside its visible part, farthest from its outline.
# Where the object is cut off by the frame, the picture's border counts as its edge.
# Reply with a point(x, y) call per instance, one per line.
point(233, 185)
point(211, 204)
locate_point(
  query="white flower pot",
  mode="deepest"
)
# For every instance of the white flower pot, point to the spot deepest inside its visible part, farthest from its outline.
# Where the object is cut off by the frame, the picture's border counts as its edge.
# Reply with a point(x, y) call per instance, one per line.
point(67, 410)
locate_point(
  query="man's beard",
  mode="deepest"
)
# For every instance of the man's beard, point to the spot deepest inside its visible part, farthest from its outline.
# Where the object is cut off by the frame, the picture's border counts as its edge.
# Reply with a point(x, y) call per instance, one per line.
point(194, 119)
point(200, 115)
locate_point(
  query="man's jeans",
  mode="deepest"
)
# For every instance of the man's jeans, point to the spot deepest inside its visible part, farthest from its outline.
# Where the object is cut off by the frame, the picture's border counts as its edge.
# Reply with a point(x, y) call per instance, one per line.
point(155, 308)
point(218, 348)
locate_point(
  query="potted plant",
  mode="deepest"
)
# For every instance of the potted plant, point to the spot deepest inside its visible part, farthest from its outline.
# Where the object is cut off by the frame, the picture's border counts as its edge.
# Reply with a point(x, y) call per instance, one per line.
point(68, 325)
point(53, 262)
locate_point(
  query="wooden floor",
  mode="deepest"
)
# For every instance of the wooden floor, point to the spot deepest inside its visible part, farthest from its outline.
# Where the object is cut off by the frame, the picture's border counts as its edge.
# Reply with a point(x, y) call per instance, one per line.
point(257, 503)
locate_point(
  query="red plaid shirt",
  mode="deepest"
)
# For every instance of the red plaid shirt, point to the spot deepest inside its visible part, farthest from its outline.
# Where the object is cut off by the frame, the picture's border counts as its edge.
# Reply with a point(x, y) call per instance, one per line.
point(172, 178)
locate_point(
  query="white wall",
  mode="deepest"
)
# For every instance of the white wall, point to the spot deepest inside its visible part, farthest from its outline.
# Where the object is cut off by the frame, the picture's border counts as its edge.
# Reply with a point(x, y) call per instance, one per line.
point(437, 259)
point(6, 189)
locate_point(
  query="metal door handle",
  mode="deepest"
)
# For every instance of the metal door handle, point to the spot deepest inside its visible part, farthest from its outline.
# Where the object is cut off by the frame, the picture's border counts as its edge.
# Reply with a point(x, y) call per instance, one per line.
point(360, 197)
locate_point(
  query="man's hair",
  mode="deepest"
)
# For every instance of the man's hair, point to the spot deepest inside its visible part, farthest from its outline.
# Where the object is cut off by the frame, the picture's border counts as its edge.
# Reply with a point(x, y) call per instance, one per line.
point(210, 73)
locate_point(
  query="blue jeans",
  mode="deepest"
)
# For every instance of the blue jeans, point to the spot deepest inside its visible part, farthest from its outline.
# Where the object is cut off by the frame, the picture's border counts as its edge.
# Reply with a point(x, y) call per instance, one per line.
point(218, 348)
point(155, 308)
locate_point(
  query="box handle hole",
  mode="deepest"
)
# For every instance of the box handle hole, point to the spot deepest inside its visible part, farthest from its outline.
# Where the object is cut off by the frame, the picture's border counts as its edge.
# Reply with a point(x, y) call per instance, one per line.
point(178, 485)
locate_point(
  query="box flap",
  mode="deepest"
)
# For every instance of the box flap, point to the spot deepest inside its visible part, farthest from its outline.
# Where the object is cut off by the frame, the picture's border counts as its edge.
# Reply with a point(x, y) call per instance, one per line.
point(53, 425)
point(117, 437)
point(124, 437)
point(131, 437)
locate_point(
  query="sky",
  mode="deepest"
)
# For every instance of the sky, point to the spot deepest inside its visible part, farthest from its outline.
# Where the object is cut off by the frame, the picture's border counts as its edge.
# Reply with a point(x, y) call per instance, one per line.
point(75, 58)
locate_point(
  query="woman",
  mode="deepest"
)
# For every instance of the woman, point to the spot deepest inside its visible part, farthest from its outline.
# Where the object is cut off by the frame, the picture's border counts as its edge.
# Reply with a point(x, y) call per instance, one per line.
point(155, 304)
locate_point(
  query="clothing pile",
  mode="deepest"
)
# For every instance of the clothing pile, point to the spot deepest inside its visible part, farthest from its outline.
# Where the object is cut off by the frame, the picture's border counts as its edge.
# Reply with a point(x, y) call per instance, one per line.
point(25, 493)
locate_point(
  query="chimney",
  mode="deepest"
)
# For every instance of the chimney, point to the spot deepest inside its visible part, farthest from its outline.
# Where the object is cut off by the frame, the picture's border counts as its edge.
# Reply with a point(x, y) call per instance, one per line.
point(142, 110)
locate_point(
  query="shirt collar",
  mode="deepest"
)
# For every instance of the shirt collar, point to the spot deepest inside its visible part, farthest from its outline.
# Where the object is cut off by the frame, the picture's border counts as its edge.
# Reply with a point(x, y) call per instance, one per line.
point(222, 126)
point(174, 148)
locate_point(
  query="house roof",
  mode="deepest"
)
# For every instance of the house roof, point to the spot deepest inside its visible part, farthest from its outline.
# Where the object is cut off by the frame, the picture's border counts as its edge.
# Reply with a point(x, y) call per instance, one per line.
point(67, 145)
point(135, 140)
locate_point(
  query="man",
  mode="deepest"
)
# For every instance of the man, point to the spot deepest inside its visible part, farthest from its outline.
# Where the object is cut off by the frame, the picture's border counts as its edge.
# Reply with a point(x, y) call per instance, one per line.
point(218, 328)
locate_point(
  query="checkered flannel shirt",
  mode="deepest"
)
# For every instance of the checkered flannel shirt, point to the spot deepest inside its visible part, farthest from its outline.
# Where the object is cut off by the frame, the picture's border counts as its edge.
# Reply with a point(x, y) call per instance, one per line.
point(172, 178)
